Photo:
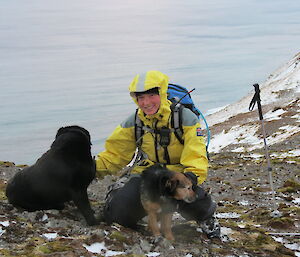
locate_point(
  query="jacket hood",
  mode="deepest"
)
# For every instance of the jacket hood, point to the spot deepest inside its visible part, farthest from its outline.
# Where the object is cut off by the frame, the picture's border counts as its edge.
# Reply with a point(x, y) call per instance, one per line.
point(149, 80)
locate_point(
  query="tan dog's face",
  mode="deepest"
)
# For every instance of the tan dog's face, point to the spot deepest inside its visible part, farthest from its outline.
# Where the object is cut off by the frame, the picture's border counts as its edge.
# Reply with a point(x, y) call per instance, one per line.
point(182, 187)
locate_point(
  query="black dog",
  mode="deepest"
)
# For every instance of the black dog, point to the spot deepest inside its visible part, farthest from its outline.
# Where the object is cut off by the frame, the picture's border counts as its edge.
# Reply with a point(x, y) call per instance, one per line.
point(62, 174)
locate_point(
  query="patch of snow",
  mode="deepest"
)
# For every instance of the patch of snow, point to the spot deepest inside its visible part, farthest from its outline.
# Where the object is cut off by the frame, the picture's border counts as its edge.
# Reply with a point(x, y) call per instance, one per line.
point(236, 135)
point(188, 255)
point(115, 227)
point(176, 216)
point(244, 203)
point(152, 254)
point(279, 136)
point(256, 156)
point(239, 149)
point(293, 246)
point(222, 140)
point(283, 133)
point(287, 244)
point(227, 215)
point(50, 236)
point(241, 225)
point(291, 153)
point(100, 248)
point(95, 247)
point(226, 231)
point(228, 111)
point(295, 152)
point(4, 223)
point(296, 201)
point(278, 239)
point(246, 135)
point(45, 217)
point(113, 253)
point(286, 77)
point(297, 254)
point(274, 115)
point(2, 231)
point(288, 127)
point(296, 116)
point(287, 70)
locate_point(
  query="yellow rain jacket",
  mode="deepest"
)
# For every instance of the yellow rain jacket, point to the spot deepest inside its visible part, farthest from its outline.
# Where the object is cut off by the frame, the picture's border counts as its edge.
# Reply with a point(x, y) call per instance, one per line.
point(121, 144)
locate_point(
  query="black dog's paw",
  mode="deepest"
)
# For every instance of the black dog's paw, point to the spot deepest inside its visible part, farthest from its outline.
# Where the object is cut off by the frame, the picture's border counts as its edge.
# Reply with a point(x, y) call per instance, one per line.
point(190, 175)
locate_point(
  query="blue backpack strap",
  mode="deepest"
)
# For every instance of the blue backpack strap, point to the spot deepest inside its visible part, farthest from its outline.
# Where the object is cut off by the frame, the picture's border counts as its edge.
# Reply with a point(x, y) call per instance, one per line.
point(207, 130)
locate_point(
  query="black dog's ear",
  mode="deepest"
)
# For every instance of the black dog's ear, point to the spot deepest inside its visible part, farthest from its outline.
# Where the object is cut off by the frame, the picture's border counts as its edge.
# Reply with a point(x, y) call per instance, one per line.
point(60, 131)
point(76, 129)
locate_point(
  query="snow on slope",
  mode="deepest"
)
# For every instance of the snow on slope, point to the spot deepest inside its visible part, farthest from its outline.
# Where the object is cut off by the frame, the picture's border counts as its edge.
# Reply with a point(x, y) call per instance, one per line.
point(236, 127)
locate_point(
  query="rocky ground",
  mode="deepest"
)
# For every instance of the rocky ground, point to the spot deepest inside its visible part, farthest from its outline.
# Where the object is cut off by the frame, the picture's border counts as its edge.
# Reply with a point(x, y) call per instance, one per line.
point(239, 182)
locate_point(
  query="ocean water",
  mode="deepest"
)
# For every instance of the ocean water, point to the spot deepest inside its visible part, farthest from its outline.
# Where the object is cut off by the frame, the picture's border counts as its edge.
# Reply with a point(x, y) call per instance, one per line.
point(70, 62)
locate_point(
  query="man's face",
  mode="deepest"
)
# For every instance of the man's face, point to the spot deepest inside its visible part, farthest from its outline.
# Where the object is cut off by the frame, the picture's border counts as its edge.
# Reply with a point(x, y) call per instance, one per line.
point(149, 103)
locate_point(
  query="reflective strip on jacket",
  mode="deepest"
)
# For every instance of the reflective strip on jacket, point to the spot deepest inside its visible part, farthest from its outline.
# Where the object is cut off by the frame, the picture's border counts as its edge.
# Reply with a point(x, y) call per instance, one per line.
point(121, 144)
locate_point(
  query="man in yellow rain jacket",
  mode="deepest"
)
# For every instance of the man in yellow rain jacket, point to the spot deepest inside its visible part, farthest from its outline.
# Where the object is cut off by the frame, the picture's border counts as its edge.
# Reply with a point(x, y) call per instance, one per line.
point(149, 92)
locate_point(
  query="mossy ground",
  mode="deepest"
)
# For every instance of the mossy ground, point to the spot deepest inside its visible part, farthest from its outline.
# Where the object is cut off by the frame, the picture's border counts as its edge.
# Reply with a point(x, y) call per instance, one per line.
point(239, 185)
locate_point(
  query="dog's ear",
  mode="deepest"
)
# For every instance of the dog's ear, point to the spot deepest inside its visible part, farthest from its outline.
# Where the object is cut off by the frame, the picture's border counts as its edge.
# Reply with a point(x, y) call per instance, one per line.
point(170, 186)
point(61, 130)
point(165, 185)
point(76, 129)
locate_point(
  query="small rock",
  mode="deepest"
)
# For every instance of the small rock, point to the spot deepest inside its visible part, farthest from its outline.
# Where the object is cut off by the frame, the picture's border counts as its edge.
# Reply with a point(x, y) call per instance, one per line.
point(145, 245)
point(135, 249)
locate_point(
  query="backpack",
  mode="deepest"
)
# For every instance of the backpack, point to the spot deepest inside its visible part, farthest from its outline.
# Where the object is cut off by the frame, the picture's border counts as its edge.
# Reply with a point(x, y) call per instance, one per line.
point(180, 98)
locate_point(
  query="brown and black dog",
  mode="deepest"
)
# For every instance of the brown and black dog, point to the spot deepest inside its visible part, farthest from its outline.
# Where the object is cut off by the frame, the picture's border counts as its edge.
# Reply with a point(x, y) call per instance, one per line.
point(160, 188)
